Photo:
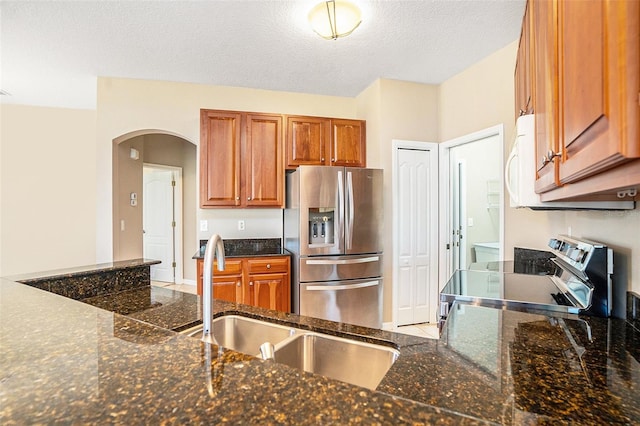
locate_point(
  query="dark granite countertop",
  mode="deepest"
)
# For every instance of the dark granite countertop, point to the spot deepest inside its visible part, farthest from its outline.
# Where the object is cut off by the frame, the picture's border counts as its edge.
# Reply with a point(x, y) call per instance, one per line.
point(64, 361)
point(253, 247)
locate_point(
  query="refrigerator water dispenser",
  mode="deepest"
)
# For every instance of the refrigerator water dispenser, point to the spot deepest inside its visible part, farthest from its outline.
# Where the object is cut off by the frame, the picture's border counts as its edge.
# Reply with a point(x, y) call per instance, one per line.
point(321, 226)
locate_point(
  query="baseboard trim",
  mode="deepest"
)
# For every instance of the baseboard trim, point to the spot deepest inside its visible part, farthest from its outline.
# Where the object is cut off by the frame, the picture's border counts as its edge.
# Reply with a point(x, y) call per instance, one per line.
point(387, 326)
point(189, 282)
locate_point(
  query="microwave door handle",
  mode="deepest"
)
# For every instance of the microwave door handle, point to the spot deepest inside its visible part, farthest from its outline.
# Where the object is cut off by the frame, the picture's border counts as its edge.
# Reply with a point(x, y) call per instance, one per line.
point(507, 174)
point(350, 213)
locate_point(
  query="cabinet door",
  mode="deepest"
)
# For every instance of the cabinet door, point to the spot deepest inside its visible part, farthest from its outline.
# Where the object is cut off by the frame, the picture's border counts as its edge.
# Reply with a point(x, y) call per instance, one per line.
point(220, 137)
point(348, 143)
point(307, 141)
point(227, 288)
point(544, 15)
point(523, 85)
point(262, 161)
point(270, 291)
point(599, 72)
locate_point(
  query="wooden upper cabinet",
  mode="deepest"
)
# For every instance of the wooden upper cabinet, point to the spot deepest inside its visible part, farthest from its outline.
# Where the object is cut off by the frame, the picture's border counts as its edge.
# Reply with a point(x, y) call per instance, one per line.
point(220, 137)
point(262, 161)
point(545, 91)
point(241, 159)
point(307, 141)
point(348, 143)
point(599, 83)
point(321, 141)
point(586, 91)
point(523, 73)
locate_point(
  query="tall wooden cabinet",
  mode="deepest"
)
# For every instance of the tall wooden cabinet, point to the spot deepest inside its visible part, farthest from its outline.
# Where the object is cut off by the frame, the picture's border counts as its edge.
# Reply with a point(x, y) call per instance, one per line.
point(321, 141)
point(241, 159)
point(585, 83)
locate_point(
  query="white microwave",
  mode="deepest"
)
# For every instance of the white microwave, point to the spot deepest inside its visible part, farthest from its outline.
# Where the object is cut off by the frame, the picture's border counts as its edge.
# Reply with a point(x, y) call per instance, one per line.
point(520, 174)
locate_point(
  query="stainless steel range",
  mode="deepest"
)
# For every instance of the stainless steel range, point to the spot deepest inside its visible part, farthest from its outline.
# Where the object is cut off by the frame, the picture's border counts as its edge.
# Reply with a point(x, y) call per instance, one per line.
point(580, 283)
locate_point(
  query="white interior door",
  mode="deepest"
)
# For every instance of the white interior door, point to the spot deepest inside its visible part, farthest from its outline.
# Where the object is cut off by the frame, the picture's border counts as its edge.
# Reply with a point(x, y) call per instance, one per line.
point(415, 231)
point(159, 221)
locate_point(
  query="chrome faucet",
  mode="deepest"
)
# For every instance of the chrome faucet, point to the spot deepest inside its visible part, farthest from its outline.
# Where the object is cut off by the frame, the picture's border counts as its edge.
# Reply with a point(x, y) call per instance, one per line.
point(214, 246)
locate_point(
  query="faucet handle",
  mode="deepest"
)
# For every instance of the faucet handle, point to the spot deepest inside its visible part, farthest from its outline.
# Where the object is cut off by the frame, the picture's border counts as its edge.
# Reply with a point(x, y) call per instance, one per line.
point(267, 351)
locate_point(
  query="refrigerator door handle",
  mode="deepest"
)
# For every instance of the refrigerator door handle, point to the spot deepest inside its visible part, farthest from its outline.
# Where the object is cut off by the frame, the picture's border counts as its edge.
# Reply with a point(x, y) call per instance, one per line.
point(342, 261)
point(342, 287)
point(340, 222)
point(350, 212)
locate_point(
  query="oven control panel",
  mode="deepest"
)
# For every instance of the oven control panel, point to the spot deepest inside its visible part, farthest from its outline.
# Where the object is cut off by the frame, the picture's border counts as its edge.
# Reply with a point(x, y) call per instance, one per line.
point(576, 253)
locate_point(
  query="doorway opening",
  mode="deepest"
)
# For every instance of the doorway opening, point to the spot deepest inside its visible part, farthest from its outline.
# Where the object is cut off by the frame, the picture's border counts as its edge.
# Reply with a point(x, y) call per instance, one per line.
point(472, 201)
point(162, 220)
point(131, 152)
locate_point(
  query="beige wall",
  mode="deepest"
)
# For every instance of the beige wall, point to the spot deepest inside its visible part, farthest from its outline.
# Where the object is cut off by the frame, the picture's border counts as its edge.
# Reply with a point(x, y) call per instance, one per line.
point(395, 110)
point(47, 188)
point(127, 178)
point(483, 96)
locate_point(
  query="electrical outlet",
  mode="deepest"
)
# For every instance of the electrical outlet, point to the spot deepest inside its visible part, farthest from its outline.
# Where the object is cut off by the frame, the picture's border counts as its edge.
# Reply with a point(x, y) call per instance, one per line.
point(204, 225)
point(241, 225)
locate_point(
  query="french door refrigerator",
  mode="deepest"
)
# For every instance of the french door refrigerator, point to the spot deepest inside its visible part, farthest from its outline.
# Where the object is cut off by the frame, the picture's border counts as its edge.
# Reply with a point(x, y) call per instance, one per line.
point(333, 227)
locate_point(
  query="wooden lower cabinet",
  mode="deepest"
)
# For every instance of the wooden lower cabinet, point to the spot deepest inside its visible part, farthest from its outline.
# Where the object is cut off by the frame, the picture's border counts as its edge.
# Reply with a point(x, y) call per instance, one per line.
point(255, 281)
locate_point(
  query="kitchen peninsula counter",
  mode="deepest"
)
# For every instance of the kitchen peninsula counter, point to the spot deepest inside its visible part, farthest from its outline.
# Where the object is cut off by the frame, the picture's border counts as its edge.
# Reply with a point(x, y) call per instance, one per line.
point(64, 361)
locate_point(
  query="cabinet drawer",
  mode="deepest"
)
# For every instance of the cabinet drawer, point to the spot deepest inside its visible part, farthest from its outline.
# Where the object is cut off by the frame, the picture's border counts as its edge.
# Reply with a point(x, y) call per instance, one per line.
point(268, 265)
point(231, 267)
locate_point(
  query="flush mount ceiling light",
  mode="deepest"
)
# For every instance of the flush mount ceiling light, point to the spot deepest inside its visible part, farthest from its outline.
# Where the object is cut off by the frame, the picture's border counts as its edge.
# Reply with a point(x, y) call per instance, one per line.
point(333, 19)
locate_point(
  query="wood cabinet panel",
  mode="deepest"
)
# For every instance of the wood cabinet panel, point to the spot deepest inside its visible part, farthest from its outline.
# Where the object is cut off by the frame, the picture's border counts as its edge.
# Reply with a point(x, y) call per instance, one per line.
point(232, 271)
point(268, 265)
point(586, 86)
point(523, 84)
point(545, 92)
point(270, 291)
point(307, 141)
point(599, 84)
point(220, 138)
point(348, 143)
point(262, 160)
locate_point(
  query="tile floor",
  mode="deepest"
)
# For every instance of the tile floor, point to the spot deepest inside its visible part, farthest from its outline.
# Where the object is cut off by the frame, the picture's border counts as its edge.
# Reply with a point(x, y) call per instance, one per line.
point(186, 288)
point(428, 330)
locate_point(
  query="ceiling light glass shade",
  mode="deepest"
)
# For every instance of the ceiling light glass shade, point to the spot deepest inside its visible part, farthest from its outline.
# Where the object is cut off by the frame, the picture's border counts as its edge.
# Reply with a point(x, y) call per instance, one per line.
point(333, 19)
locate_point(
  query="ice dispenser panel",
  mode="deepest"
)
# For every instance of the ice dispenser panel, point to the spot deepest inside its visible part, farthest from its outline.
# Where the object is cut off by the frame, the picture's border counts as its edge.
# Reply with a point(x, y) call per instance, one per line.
point(321, 231)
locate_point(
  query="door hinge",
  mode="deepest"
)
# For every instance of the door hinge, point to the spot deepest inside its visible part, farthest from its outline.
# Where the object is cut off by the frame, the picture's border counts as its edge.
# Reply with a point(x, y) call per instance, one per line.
point(173, 264)
point(173, 224)
point(173, 183)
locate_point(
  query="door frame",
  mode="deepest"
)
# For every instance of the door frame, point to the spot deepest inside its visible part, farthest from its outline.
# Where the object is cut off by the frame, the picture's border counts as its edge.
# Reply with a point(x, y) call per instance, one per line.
point(434, 289)
point(178, 241)
point(445, 192)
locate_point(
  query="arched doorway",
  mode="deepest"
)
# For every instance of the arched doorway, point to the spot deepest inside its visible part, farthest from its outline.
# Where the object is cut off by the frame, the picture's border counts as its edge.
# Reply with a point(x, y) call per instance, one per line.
point(130, 154)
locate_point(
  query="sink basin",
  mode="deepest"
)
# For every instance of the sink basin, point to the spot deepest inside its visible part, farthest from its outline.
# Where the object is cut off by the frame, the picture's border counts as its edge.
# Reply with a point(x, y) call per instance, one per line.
point(350, 361)
point(359, 363)
point(244, 334)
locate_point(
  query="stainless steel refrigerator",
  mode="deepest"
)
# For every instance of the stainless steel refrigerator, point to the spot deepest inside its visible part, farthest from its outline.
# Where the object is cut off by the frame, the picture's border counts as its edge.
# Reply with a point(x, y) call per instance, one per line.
point(333, 226)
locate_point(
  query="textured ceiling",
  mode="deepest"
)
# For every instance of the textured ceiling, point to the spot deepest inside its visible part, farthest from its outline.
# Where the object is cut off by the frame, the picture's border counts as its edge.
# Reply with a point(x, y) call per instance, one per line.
point(52, 52)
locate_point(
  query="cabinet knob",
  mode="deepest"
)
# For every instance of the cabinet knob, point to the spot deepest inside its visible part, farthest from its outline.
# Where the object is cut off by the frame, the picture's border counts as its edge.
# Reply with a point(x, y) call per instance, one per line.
point(333, 160)
point(268, 266)
point(238, 198)
point(248, 198)
point(238, 284)
point(251, 283)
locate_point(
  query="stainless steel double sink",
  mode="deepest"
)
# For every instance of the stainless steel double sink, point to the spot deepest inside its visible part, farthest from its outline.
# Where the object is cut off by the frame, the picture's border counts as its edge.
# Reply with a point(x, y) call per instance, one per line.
point(359, 363)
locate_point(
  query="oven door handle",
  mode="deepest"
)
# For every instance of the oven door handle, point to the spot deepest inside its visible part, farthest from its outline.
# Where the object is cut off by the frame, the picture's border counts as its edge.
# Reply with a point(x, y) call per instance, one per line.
point(342, 261)
point(342, 287)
